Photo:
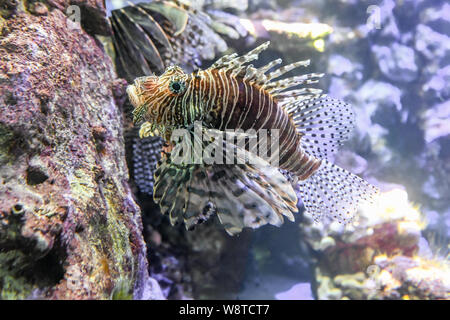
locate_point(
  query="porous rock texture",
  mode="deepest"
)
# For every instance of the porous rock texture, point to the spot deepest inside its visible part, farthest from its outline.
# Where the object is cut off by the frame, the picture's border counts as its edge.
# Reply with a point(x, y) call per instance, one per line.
point(69, 227)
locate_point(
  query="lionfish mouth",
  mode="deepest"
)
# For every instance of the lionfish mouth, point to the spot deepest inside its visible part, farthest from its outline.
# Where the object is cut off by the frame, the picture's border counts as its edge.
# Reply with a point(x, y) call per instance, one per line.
point(138, 95)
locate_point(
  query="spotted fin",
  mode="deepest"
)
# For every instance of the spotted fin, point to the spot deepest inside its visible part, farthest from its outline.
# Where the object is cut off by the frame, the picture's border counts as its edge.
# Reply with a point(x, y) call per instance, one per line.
point(177, 15)
point(334, 193)
point(324, 124)
point(249, 194)
point(146, 154)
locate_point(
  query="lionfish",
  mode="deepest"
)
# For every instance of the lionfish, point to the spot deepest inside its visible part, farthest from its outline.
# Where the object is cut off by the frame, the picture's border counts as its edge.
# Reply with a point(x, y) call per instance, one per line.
point(233, 94)
point(152, 35)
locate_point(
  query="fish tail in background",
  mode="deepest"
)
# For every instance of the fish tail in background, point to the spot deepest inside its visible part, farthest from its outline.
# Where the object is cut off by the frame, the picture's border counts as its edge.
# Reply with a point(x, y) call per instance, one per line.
point(146, 154)
point(335, 193)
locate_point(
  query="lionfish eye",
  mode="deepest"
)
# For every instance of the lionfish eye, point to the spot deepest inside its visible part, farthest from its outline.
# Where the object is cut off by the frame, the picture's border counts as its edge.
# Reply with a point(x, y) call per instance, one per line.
point(177, 86)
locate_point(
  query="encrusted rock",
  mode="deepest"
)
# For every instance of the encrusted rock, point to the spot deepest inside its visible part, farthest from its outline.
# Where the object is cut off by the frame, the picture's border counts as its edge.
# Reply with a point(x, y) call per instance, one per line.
point(397, 62)
point(431, 44)
point(69, 227)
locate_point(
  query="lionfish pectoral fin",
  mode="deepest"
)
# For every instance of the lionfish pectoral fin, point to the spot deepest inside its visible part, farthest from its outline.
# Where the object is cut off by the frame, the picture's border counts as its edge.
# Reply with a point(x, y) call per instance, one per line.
point(248, 193)
point(334, 193)
point(256, 194)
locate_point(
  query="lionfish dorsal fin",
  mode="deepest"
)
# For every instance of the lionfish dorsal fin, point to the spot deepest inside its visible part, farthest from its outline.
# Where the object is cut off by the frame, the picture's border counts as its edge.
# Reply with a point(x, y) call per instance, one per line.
point(177, 14)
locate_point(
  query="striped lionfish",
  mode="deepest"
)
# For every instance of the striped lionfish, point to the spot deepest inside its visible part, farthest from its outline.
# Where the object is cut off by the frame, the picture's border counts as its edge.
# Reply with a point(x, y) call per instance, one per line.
point(152, 35)
point(233, 94)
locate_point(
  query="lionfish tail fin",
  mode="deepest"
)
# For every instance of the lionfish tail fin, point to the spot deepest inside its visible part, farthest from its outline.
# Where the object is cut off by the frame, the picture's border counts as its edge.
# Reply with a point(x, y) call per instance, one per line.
point(146, 154)
point(246, 194)
point(335, 193)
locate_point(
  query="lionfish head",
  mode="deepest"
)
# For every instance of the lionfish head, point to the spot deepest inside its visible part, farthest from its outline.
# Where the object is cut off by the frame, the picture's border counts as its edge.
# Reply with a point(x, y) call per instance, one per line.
point(151, 95)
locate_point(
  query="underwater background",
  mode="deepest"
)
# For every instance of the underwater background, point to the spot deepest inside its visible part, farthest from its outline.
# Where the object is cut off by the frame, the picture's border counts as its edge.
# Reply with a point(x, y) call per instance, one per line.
point(77, 218)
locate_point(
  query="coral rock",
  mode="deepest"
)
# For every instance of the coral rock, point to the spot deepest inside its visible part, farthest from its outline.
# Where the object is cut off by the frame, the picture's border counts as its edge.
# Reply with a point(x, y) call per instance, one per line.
point(69, 227)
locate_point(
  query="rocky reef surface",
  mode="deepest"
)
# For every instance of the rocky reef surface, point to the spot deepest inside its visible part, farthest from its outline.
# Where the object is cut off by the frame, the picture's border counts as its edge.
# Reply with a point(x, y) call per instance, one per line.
point(69, 226)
